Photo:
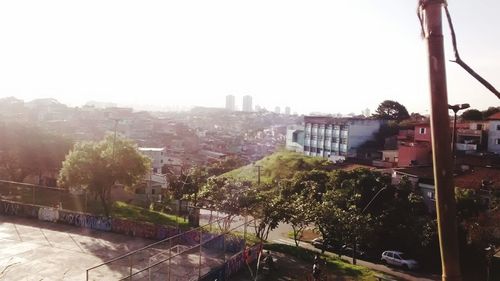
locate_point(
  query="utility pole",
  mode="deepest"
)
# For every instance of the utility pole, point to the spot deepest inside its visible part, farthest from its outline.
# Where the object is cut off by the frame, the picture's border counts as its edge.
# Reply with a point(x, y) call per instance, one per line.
point(258, 173)
point(431, 12)
point(114, 136)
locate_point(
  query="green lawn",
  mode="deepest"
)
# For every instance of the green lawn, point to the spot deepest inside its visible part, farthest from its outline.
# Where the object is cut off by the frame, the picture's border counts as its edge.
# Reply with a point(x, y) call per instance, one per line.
point(279, 165)
point(334, 265)
point(132, 212)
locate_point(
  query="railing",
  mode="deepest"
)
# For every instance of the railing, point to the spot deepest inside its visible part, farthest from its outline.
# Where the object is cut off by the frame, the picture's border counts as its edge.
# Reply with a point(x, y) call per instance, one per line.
point(44, 196)
point(466, 147)
point(186, 256)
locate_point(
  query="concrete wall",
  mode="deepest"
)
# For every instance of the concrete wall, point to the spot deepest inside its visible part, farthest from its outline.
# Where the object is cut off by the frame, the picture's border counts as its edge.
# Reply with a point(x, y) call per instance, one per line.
point(420, 154)
point(494, 136)
point(295, 138)
point(422, 133)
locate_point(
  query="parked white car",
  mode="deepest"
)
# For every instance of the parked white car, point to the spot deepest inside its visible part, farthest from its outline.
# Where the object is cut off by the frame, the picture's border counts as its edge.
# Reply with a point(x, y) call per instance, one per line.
point(398, 259)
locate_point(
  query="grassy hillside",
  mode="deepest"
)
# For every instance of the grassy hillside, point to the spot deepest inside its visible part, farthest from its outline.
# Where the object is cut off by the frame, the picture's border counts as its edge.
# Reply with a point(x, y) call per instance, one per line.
point(279, 165)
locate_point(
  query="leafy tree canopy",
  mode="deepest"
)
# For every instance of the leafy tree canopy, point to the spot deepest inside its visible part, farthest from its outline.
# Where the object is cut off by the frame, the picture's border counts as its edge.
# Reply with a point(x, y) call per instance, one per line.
point(27, 150)
point(391, 110)
point(472, 115)
point(97, 166)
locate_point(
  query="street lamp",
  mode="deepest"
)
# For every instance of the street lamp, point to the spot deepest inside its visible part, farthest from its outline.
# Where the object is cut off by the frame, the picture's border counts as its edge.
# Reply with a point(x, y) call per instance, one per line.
point(456, 108)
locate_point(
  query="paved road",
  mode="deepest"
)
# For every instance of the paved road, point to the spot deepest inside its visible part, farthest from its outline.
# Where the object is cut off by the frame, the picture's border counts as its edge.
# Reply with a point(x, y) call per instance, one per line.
point(396, 272)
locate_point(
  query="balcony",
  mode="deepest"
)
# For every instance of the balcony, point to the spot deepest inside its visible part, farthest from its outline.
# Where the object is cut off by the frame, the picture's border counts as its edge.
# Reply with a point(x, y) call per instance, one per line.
point(469, 132)
point(466, 147)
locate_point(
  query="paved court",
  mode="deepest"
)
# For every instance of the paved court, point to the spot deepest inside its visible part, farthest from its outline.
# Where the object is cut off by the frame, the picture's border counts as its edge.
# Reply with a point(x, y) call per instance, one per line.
point(36, 250)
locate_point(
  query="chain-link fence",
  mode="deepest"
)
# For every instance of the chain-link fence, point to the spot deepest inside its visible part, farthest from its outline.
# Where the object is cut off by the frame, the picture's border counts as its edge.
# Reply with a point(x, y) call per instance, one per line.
point(186, 256)
point(46, 196)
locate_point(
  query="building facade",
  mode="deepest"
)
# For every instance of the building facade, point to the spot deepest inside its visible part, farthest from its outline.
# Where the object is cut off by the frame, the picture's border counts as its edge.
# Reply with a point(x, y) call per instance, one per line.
point(247, 104)
point(295, 138)
point(494, 133)
point(336, 138)
point(157, 156)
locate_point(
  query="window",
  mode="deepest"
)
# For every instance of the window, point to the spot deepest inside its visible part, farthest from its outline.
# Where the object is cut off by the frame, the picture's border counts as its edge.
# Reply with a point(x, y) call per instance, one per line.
point(430, 194)
point(498, 127)
point(479, 126)
point(497, 141)
point(152, 191)
point(336, 140)
point(421, 131)
point(343, 141)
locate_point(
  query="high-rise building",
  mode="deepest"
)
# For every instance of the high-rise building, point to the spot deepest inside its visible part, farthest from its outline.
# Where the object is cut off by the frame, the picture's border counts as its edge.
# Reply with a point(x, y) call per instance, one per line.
point(230, 103)
point(287, 110)
point(277, 110)
point(247, 103)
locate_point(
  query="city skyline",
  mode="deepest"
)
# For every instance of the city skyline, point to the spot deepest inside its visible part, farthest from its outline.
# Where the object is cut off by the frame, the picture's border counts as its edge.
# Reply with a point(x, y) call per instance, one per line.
point(298, 55)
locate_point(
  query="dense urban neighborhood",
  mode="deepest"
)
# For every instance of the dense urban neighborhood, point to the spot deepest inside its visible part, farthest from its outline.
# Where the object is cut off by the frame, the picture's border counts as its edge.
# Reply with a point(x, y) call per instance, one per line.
point(356, 186)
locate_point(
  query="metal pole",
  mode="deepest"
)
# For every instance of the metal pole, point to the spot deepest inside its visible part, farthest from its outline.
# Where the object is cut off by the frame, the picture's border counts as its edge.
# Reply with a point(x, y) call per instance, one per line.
point(440, 130)
point(169, 256)
point(454, 139)
point(258, 173)
point(224, 247)
point(34, 200)
point(245, 232)
point(199, 259)
point(130, 264)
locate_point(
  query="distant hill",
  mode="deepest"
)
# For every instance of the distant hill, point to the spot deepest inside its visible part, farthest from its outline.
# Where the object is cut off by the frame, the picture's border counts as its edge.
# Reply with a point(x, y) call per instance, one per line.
point(279, 165)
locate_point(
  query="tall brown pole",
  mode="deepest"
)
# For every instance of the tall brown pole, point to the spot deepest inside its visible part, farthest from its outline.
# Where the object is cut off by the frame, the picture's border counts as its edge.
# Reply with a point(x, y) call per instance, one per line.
point(440, 129)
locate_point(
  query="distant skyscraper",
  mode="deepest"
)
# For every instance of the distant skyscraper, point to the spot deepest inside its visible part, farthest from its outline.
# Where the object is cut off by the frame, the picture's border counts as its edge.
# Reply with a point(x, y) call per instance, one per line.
point(258, 108)
point(247, 103)
point(287, 110)
point(277, 110)
point(230, 103)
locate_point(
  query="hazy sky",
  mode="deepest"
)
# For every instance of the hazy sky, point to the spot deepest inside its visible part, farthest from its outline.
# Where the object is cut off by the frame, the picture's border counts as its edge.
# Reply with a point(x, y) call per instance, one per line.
point(329, 56)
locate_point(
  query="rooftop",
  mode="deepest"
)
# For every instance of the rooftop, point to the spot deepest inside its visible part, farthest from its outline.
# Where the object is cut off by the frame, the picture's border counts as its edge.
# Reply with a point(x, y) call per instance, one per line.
point(495, 116)
point(424, 172)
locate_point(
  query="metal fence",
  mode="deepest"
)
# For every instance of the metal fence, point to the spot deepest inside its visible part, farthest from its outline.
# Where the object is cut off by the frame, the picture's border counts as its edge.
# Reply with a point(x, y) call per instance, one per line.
point(45, 196)
point(186, 256)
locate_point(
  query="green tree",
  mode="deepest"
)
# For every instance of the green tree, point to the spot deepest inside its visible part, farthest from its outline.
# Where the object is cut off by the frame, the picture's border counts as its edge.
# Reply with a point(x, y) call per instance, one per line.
point(490, 111)
point(29, 151)
point(391, 110)
point(230, 197)
point(229, 164)
point(472, 115)
point(266, 210)
point(97, 166)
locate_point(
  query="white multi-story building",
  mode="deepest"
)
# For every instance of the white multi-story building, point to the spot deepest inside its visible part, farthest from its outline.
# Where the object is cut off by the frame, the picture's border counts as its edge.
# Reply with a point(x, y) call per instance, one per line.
point(157, 156)
point(494, 133)
point(247, 104)
point(337, 138)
